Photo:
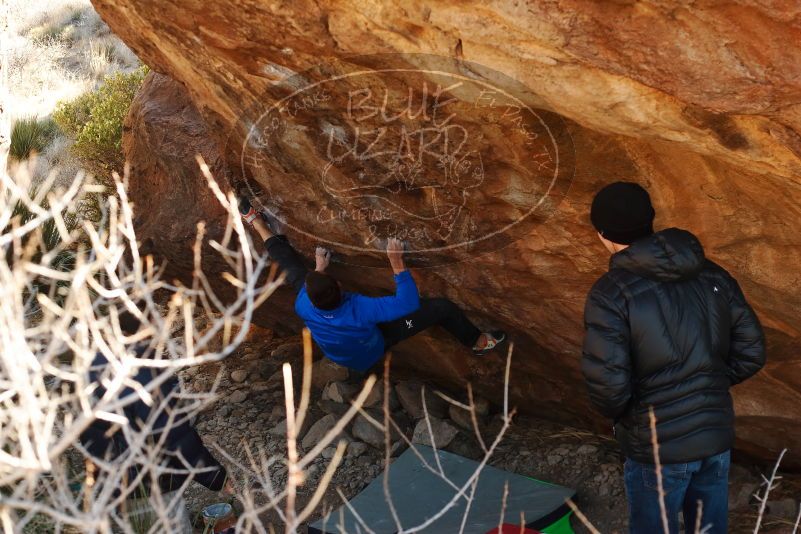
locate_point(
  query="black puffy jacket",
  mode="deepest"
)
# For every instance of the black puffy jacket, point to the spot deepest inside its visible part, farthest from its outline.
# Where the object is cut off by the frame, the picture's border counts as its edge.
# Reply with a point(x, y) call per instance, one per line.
point(667, 328)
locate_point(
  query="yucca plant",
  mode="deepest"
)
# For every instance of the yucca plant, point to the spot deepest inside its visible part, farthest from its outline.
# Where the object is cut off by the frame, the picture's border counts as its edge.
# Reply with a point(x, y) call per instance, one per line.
point(48, 239)
point(30, 135)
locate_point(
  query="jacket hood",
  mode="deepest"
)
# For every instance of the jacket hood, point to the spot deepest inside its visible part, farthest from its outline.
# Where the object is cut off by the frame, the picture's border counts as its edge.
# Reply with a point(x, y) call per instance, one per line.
point(667, 256)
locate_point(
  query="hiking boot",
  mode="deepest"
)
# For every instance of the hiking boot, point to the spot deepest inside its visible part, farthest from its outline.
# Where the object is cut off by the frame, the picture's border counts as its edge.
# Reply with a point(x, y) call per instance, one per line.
point(492, 339)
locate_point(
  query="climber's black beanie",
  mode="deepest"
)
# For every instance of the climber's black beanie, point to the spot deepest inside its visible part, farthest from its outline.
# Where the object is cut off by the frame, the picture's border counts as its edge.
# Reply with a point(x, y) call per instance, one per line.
point(323, 290)
point(622, 213)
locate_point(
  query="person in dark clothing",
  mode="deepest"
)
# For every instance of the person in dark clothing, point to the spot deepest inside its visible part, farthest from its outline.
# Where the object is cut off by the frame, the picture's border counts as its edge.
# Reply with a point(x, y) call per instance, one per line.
point(354, 330)
point(182, 452)
point(667, 330)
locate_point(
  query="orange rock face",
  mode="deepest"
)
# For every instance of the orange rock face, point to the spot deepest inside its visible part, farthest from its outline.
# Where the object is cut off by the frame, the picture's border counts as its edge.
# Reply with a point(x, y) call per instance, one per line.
point(479, 132)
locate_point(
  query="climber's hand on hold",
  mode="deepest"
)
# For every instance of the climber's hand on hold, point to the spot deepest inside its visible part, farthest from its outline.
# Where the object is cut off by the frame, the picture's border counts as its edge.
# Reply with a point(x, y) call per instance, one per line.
point(395, 255)
point(322, 257)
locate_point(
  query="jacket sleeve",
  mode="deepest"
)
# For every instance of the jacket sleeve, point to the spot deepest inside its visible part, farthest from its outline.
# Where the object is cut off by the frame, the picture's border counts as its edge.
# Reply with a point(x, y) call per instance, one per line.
point(288, 259)
point(747, 341)
point(383, 309)
point(606, 358)
point(97, 438)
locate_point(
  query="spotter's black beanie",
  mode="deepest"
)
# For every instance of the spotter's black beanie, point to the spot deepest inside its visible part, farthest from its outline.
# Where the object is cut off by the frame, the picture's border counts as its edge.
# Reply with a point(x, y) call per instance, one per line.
point(622, 213)
point(323, 290)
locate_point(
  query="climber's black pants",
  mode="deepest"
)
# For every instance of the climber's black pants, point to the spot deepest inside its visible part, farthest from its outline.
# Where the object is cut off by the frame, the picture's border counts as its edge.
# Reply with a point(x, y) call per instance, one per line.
point(432, 312)
point(288, 259)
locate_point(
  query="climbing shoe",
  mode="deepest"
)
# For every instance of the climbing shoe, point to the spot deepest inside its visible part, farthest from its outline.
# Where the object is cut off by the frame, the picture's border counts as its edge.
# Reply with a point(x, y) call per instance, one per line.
point(491, 339)
point(247, 210)
point(249, 213)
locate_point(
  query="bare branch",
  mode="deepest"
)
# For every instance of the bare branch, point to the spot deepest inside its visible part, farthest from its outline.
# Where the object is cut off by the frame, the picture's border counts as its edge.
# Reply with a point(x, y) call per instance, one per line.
point(581, 517)
point(769, 485)
point(658, 468)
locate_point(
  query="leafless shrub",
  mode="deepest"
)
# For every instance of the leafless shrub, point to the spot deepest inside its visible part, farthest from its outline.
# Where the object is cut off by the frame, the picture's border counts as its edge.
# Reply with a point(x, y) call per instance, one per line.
point(769, 484)
point(582, 518)
point(53, 322)
point(461, 492)
point(259, 494)
point(658, 469)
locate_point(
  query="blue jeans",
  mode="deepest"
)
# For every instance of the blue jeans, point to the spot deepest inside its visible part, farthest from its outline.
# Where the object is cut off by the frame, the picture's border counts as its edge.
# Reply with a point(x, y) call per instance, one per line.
point(684, 485)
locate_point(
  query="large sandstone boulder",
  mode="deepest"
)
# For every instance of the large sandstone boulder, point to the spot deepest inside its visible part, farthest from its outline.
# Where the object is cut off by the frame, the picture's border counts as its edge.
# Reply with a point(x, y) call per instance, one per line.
point(542, 103)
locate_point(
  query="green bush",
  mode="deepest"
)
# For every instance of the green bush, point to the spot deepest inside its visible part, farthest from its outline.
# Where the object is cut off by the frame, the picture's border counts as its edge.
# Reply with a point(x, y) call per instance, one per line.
point(29, 135)
point(94, 120)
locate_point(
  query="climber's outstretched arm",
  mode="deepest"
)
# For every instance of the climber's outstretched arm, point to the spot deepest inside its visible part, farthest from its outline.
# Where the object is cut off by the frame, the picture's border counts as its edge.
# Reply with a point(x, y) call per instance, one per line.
point(262, 229)
point(395, 255)
point(277, 245)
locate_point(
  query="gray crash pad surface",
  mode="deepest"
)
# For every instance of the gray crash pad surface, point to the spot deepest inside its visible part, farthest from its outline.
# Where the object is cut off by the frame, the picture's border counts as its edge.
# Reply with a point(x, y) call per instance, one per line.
point(418, 494)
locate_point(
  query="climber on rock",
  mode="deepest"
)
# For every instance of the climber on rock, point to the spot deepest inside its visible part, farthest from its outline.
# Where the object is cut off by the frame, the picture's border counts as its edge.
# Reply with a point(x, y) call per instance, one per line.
point(668, 332)
point(355, 330)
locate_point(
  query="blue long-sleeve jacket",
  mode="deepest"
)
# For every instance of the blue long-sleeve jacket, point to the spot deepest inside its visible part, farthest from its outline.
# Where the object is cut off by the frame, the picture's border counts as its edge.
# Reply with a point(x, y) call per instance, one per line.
point(349, 334)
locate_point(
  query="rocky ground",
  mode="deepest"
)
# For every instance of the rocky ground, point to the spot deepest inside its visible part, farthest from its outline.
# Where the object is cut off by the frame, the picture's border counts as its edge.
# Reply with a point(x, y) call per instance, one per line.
point(248, 416)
